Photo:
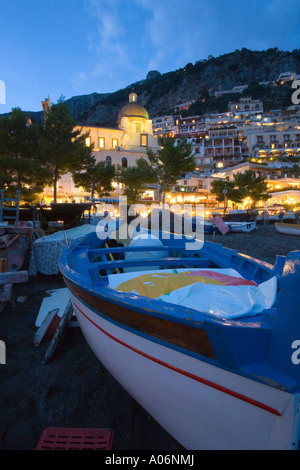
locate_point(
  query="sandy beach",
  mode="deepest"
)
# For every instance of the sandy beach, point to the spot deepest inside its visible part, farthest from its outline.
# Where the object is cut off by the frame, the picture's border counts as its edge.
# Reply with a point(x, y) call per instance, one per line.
point(74, 389)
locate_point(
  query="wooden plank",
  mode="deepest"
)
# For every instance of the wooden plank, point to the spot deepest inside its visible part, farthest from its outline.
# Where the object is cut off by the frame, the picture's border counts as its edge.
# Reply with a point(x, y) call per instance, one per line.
point(58, 298)
point(59, 332)
point(42, 331)
point(13, 277)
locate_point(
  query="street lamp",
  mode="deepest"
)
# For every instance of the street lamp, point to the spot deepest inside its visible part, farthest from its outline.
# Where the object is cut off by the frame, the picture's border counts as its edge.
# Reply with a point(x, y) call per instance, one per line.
point(225, 198)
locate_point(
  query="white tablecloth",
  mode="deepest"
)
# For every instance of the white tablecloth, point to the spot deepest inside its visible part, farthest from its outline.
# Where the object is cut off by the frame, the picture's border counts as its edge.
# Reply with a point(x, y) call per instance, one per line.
point(46, 251)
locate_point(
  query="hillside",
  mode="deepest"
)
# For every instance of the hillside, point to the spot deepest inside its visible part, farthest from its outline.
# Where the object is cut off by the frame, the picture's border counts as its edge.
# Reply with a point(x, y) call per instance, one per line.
point(160, 93)
point(78, 105)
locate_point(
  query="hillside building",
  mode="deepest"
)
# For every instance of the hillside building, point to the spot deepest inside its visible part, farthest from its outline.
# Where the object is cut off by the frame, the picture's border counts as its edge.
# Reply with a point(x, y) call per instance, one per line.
point(282, 189)
point(121, 145)
point(222, 144)
point(128, 141)
point(163, 126)
point(192, 126)
point(273, 140)
point(226, 145)
point(246, 106)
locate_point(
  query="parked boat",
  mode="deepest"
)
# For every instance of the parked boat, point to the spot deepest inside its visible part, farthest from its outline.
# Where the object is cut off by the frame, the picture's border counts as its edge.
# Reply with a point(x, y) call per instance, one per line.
point(241, 227)
point(71, 214)
point(276, 216)
point(209, 344)
point(288, 229)
point(237, 215)
point(204, 225)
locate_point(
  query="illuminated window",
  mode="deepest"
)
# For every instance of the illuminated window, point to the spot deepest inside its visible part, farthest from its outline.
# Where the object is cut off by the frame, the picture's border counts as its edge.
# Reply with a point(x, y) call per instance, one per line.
point(114, 143)
point(101, 142)
point(88, 141)
point(144, 140)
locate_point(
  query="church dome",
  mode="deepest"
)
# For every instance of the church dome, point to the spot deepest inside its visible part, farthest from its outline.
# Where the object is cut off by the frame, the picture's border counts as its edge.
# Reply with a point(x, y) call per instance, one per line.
point(133, 109)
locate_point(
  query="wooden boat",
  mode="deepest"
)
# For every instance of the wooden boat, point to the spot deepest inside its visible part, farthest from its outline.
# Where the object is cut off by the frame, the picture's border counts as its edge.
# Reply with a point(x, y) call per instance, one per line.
point(237, 215)
point(69, 213)
point(289, 217)
point(204, 225)
point(241, 227)
point(213, 379)
point(277, 216)
point(288, 229)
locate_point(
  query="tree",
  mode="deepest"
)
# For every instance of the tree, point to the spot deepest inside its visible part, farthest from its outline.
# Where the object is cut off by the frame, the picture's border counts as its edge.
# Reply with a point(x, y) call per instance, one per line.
point(170, 161)
point(136, 179)
point(96, 178)
point(21, 167)
point(251, 186)
point(232, 194)
point(63, 146)
point(244, 185)
point(6, 177)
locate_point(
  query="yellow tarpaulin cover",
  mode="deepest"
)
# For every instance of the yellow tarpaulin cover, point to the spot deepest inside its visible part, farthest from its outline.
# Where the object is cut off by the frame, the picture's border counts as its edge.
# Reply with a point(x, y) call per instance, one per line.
point(154, 285)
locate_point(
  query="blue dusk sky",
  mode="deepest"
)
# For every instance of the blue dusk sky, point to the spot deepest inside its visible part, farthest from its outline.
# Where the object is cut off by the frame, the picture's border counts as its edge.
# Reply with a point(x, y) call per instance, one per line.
point(77, 47)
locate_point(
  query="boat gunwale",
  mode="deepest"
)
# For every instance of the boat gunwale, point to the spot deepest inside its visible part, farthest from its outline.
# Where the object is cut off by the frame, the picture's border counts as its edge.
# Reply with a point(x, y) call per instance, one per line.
point(206, 246)
point(143, 304)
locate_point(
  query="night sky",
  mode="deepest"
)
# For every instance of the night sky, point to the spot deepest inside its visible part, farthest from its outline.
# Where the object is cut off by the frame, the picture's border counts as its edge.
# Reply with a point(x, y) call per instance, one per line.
point(77, 47)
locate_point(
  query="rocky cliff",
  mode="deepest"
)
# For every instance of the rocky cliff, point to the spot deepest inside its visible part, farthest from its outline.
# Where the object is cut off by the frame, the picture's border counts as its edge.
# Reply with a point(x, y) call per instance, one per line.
point(160, 93)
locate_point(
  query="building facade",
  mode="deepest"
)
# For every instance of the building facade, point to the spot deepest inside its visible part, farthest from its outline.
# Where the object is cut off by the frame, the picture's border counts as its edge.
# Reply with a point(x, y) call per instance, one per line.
point(121, 145)
point(245, 106)
point(274, 139)
point(128, 141)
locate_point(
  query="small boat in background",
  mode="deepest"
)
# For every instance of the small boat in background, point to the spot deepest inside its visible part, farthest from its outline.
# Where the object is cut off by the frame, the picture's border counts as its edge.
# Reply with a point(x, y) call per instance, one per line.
point(206, 339)
point(241, 227)
point(288, 229)
point(289, 217)
point(235, 215)
point(277, 216)
point(204, 225)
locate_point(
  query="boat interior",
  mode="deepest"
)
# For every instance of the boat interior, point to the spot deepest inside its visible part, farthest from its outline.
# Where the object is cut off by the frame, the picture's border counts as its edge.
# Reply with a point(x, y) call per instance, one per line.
point(99, 259)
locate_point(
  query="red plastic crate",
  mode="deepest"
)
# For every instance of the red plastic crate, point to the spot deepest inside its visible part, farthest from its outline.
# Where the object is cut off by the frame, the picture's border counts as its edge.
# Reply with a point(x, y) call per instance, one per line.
point(76, 439)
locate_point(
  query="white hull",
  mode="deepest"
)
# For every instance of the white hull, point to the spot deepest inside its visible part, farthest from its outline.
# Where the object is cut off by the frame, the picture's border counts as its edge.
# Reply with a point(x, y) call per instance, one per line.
point(169, 385)
point(288, 229)
point(241, 227)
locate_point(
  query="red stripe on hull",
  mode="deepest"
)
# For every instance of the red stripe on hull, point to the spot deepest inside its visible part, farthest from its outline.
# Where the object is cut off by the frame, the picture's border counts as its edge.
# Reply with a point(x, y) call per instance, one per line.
point(185, 373)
